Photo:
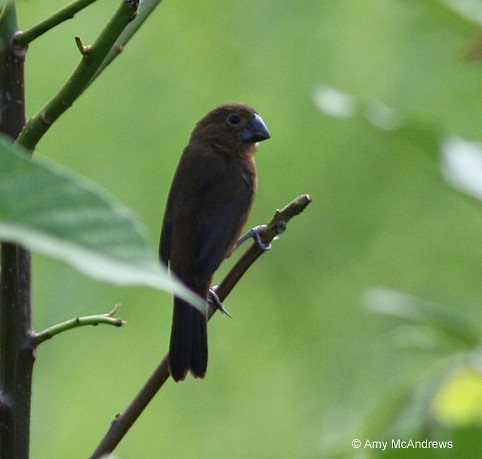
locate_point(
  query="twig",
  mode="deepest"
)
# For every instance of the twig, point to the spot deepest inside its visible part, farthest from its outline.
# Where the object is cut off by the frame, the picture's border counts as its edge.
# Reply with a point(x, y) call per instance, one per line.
point(273, 229)
point(123, 422)
point(22, 38)
point(146, 7)
point(39, 124)
point(82, 48)
point(97, 319)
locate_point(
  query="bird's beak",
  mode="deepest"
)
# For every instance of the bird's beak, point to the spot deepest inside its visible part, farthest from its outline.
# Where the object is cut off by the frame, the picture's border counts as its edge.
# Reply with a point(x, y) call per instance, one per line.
point(255, 131)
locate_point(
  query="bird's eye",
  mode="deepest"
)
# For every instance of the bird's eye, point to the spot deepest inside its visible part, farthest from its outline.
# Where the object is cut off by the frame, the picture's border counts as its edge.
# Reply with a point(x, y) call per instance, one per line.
point(234, 120)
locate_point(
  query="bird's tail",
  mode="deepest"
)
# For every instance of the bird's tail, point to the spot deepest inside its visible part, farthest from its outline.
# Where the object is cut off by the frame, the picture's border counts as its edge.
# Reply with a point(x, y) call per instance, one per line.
point(188, 349)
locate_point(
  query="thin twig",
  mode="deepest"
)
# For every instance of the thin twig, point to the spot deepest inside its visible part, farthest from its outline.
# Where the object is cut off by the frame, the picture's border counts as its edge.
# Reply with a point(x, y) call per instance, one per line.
point(22, 38)
point(123, 422)
point(96, 319)
point(39, 124)
point(273, 229)
point(82, 48)
point(146, 7)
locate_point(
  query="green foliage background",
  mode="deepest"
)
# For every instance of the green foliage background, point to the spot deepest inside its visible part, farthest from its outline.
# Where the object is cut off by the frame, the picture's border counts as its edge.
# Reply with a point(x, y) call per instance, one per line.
point(304, 366)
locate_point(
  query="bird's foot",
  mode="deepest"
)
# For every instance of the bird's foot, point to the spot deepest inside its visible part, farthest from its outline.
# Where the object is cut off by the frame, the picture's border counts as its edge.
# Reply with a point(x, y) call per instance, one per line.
point(215, 301)
point(254, 233)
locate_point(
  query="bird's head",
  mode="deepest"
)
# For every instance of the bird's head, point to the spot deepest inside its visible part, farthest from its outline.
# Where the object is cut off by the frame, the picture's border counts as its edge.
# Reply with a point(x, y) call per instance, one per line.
point(231, 129)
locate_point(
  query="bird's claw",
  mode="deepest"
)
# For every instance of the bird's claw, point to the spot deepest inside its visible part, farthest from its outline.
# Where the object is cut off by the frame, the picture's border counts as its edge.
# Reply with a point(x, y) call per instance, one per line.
point(254, 233)
point(215, 301)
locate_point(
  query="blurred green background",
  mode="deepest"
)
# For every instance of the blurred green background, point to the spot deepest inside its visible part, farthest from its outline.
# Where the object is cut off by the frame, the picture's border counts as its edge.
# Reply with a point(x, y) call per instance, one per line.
point(304, 367)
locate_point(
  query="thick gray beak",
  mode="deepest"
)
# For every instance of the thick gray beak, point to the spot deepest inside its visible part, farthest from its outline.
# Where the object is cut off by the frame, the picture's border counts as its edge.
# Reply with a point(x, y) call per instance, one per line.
point(255, 131)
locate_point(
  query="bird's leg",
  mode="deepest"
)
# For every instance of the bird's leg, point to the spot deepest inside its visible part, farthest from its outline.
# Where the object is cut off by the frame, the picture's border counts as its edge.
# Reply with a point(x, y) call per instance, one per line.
point(216, 302)
point(254, 233)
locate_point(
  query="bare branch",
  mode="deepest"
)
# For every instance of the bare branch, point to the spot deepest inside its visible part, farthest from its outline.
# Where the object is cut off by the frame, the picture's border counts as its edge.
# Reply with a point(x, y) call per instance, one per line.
point(97, 319)
point(146, 7)
point(22, 38)
point(39, 124)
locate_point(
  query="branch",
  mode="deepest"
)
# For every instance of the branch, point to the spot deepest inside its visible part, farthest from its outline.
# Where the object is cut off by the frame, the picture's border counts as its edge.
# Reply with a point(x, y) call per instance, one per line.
point(97, 319)
point(273, 229)
point(22, 38)
point(80, 79)
point(16, 349)
point(123, 422)
point(146, 7)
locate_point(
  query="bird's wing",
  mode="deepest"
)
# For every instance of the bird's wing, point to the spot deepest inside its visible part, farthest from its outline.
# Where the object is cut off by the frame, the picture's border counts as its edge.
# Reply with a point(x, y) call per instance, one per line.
point(219, 228)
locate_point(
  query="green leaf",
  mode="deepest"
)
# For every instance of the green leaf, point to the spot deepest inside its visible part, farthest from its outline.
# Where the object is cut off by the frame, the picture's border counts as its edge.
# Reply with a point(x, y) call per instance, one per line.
point(388, 413)
point(463, 15)
point(54, 212)
point(410, 127)
point(457, 161)
point(468, 10)
point(458, 401)
point(423, 324)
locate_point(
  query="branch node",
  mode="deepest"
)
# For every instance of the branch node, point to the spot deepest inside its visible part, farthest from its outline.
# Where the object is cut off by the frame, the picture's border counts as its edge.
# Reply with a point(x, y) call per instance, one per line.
point(83, 49)
point(46, 119)
point(134, 4)
point(18, 47)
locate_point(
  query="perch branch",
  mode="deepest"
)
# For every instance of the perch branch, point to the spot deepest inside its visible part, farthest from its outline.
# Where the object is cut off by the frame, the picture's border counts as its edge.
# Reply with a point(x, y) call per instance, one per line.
point(273, 229)
point(97, 319)
point(22, 38)
point(122, 422)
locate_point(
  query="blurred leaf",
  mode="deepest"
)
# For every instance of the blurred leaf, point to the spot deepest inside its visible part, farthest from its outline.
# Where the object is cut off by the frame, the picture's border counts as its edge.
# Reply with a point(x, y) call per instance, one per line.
point(459, 161)
point(425, 322)
point(462, 165)
point(458, 402)
point(425, 338)
point(424, 409)
point(469, 10)
point(58, 214)
point(420, 132)
point(336, 103)
point(380, 422)
point(464, 14)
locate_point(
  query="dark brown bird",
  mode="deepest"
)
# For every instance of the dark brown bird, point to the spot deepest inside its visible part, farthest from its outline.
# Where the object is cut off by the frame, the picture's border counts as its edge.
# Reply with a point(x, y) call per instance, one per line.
point(208, 205)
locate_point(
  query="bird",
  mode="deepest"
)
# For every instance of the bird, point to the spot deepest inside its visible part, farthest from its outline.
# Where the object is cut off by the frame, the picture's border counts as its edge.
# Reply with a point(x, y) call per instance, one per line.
point(207, 207)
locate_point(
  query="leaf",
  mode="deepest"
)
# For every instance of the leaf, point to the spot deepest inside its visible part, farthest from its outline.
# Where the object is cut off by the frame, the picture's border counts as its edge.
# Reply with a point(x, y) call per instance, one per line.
point(468, 10)
point(458, 161)
point(386, 414)
point(458, 401)
point(61, 215)
point(423, 324)
point(420, 132)
point(462, 165)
